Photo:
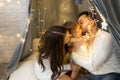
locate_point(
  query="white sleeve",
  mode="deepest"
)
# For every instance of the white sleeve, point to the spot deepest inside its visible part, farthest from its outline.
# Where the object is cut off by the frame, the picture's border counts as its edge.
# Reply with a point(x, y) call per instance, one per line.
point(100, 51)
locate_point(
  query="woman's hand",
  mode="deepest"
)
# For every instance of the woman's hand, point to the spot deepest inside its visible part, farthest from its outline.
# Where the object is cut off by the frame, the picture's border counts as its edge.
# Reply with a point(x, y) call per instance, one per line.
point(75, 70)
point(77, 44)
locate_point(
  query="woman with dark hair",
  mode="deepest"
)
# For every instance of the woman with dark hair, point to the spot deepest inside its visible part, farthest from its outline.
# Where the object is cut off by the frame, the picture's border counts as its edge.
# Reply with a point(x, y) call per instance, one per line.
point(50, 62)
point(47, 63)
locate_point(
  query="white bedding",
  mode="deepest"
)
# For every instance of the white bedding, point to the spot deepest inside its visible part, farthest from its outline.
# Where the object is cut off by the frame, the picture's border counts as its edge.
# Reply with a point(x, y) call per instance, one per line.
point(25, 71)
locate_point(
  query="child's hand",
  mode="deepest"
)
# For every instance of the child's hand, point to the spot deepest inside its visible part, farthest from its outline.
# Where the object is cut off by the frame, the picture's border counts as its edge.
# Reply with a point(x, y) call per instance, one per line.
point(75, 70)
point(74, 67)
point(78, 43)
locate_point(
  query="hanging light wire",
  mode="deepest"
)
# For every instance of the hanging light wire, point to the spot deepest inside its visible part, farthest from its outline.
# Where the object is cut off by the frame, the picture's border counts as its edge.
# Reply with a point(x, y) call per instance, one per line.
point(42, 17)
point(93, 11)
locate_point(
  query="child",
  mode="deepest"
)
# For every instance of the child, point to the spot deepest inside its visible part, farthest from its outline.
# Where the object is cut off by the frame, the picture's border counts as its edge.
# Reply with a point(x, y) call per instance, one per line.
point(76, 40)
point(80, 42)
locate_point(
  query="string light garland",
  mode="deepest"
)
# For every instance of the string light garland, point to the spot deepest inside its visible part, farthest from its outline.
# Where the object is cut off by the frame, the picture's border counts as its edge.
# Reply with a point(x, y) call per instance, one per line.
point(93, 11)
point(42, 8)
point(17, 35)
point(10, 37)
point(8, 1)
point(64, 20)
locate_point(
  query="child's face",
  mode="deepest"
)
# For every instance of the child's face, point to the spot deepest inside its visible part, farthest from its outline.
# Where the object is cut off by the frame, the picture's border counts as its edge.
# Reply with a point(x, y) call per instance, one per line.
point(77, 32)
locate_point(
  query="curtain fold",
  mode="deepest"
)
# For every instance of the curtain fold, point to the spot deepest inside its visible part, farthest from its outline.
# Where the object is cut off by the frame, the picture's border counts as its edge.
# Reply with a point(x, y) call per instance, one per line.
point(110, 9)
point(24, 45)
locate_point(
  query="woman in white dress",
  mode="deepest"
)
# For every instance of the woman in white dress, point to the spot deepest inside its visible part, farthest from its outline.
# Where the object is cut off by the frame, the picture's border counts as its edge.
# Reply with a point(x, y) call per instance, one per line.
point(49, 65)
point(49, 62)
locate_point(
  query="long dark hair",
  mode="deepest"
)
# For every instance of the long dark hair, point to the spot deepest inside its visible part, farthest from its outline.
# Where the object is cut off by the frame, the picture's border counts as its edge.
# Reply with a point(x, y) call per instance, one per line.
point(52, 47)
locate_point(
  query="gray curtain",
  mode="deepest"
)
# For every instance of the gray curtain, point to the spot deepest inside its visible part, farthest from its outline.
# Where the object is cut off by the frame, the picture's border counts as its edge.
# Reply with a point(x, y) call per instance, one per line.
point(23, 49)
point(111, 11)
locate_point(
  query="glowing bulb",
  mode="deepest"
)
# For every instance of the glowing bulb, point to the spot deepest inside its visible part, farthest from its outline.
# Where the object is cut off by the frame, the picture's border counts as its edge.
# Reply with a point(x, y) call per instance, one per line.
point(26, 30)
point(64, 8)
point(1, 4)
point(23, 40)
point(9, 1)
point(45, 8)
point(64, 20)
point(88, 37)
point(42, 20)
point(18, 35)
point(0, 36)
point(28, 20)
point(18, 2)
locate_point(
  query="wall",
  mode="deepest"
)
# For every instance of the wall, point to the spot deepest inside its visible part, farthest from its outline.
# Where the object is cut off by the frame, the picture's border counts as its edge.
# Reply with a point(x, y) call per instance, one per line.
point(13, 18)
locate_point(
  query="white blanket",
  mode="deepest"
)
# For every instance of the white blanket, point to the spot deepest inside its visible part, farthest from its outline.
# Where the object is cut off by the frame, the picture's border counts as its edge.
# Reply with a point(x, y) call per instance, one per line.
point(25, 71)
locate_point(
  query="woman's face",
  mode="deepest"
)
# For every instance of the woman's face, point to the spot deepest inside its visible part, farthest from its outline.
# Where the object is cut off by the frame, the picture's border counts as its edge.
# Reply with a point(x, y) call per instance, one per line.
point(67, 37)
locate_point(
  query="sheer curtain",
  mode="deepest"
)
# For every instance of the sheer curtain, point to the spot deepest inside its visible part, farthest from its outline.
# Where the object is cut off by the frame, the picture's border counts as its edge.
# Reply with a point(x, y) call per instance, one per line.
point(24, 45)
point(110, 9)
